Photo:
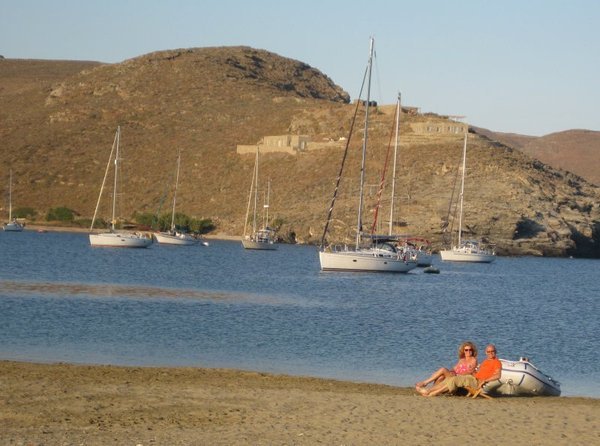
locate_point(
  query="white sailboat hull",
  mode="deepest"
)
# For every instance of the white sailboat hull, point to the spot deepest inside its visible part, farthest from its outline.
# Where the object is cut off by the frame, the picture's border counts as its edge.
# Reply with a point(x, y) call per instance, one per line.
point(252, 244)
point(165, 238)
point(13, 226)
point(119, 240)
point(364, 260)
point(460, 255)
point(521, 378)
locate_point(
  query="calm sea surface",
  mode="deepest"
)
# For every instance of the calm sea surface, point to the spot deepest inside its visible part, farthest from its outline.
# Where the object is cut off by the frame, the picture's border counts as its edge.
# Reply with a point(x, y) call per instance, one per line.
point(223, 306)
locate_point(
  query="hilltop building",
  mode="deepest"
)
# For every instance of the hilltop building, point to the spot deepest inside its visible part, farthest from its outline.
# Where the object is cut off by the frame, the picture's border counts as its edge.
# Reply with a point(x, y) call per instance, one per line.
point(291, 144)
point(433, 126)
point(439, 128)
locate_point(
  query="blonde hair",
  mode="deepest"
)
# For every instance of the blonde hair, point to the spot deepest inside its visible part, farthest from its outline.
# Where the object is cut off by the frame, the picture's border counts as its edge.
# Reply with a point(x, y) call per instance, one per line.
point(461, 349)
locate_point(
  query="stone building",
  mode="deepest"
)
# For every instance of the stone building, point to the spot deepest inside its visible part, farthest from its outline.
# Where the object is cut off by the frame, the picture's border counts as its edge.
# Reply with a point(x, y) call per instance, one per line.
point(439, 128)
point(291, 144)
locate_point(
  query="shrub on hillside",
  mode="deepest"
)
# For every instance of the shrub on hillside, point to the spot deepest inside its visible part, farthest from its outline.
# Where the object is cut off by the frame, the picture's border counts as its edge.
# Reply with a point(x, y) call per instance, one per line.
point(182, 222)
point(203, 226)
point(145, 219)
point(24, 212)
point(62, 213)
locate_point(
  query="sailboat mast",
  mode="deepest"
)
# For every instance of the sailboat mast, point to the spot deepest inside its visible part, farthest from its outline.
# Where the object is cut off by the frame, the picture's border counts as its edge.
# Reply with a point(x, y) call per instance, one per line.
point(175, 191)
point(255, 192)
point(462, 191)
point(266, 205)
point(114, 204)
point(249, 200)
point(364, 148)
point(104, 180)
point(396, 144)
point(10, 196)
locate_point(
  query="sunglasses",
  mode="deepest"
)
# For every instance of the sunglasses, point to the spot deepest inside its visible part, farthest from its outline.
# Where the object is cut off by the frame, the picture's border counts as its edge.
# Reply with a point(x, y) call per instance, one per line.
point(468, 350)
point(490, 351)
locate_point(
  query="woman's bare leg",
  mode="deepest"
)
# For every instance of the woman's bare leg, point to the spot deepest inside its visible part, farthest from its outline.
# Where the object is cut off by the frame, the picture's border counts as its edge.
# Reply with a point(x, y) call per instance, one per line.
point(438, 376)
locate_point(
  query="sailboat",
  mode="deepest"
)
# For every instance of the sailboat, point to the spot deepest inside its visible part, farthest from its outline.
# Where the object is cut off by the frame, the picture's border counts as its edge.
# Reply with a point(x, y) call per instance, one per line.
point(264, 237)
point(378, 254)
point(415, 248)
point(113, 238)
point(174, 237)
point(13, 225)
point(466, 250)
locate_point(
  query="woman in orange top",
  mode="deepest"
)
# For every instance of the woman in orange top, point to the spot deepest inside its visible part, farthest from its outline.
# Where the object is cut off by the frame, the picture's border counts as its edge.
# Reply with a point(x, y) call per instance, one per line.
point(467, 362)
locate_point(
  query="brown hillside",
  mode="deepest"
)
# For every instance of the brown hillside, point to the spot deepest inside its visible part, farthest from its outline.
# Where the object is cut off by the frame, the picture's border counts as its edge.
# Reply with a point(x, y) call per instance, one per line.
point(577, 151)
point(59, 130)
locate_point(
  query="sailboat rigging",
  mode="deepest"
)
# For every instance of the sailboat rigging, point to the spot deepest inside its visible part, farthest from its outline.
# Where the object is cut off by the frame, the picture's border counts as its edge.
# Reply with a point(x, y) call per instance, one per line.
point(259, 238)
point(173, 236)
point(416, 248)
point(12, 225)
point(466, 250)
point(113, 238)
point(378, 253)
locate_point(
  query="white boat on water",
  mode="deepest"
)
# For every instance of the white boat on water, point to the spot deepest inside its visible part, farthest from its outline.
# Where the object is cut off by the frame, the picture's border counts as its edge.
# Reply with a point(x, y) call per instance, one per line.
point(368, 254)
point(382, 257)
point(120, 240)
point(173, 236)
point(522, 378)
point(466, 250)
point(258, 238)
point(12, 225)
point(262, 239)
point(114, 239)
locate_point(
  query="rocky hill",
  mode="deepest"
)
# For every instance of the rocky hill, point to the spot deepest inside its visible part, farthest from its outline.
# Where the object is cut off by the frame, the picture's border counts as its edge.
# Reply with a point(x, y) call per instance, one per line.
point(60, 118)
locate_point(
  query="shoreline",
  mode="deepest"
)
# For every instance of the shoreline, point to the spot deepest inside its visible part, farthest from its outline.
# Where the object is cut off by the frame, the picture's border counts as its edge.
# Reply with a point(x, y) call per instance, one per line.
point(33, 227)
point(62, 403)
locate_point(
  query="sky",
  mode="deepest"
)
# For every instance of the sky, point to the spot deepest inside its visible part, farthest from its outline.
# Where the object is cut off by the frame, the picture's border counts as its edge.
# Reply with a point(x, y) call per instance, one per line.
point(520, 66)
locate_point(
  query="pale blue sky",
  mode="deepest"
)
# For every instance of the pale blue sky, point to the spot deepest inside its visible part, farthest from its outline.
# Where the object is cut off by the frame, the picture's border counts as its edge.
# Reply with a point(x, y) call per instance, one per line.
point(523, 66)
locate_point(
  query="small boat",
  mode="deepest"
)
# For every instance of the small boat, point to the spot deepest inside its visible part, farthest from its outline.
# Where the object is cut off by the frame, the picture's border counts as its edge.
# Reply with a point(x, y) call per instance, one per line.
point(13, 224)
point(115, 239)
point(466, 250)
point(172, 236)
point(431, 270)
point(522, 378)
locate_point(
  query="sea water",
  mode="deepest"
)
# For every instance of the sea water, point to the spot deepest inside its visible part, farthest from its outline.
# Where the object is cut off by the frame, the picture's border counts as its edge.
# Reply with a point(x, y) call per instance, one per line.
point(275, 311)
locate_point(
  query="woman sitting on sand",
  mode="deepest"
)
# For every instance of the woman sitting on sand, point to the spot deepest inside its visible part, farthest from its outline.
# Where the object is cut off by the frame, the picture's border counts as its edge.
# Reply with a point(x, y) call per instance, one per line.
point(467, 362)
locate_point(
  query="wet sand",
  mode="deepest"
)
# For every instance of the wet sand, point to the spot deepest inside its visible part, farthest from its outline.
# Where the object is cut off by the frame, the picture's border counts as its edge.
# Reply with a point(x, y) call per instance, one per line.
point(60, 404)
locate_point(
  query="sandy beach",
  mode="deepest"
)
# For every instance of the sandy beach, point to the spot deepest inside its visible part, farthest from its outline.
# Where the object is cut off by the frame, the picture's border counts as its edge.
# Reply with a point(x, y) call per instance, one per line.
point(61, 404)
